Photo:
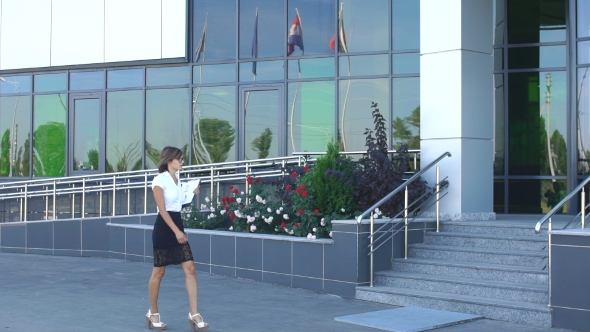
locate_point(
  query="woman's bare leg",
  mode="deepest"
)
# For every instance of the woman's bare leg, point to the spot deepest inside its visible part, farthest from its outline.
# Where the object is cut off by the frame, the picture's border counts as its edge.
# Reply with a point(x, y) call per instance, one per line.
point(191, 285)
point(154, 289)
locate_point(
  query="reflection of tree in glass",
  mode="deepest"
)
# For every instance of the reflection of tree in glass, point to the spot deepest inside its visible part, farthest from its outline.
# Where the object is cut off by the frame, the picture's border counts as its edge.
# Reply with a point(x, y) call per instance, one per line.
point(23, 159)
point(403, 134)
point(49, 151)
point(153, 154)
point(93, 159)
point(212, 140)
point(5, 154)
point(131, 155)
point(261, 144)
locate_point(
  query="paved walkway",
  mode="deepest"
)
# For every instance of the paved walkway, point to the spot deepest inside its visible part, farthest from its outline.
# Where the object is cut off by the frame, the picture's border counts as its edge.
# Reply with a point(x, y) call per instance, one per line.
point(50, 293)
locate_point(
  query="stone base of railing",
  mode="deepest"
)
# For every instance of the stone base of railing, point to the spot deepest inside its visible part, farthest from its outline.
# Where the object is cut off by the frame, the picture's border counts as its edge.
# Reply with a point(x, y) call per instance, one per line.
point(480, 216)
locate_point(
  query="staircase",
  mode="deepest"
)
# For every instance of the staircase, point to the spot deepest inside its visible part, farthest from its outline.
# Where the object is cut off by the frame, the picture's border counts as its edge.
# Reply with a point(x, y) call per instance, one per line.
point(495, 269)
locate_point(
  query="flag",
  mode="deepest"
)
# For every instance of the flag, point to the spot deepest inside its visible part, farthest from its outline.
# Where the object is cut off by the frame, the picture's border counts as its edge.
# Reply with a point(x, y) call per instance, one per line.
point(295, 36)
point(341, 36)
point(255, 43)
point(201, 47)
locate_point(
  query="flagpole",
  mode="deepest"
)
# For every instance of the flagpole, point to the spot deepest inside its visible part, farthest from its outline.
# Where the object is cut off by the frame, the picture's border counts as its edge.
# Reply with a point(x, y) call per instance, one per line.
point(296, 88)
point(254, 55)
point(203, 39)
point(341, 40)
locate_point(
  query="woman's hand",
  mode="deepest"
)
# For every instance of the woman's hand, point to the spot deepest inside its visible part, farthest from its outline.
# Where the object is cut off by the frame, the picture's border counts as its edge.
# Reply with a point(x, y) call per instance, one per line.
point(197, 191)
point(181, 237)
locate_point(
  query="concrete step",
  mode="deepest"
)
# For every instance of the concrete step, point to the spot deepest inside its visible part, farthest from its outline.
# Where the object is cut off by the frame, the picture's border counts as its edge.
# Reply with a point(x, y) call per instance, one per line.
point(472, 270)
point(463, 286)
point(505, 242)
point(512, 311)
point(470, 254)
point(492, 227)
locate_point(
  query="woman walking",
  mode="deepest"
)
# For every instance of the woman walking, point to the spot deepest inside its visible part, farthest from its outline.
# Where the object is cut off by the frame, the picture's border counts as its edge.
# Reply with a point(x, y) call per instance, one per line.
point(171, 246)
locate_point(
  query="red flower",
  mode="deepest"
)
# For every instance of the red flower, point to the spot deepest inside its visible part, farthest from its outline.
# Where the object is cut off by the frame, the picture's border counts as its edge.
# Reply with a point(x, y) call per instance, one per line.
point(293, 175)
point(305, 168)
point(231, 187)
point(303, 186)
point(249, 180)
point(296, 225)
point(225, 198)
point(283, 224)
point(316, 211)
point(236, 191)
point(298, 190)
point(304, 194)
point(257, 179)
point(300, 211)
point(227, 208)
point(232, 216)
point(288, 187)
point(231, 199)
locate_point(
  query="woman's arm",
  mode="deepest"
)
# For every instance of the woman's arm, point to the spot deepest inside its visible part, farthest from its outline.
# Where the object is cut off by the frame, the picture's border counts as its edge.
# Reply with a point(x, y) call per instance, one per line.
point(161, 203)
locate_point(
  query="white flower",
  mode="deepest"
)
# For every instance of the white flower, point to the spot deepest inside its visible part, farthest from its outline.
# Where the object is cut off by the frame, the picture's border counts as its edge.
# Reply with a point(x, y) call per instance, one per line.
point(252, 228)
point(238, 200)
point(330, 234)
point(285, 216)
point(278, 211)
point(281, 208)
point(267, 220)
point(231, 228)
point(242, 193)
point(222, 212)
point(258, 198)
point(250, 219)
point(342, 210)
point(212, 215)
point(323, 223)
point(269, 210)
point(212, 209)
point(378, 212)
point(314, 230)
point(309, 236)
point(207, 199)
point(238, 214)
point(276, 229)
point(203, 206)
point(291, 232)
point(313, 237)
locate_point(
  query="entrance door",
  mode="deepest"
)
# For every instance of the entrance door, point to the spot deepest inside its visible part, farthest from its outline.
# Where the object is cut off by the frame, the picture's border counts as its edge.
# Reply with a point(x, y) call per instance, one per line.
point(86, 134)
point(262, 122)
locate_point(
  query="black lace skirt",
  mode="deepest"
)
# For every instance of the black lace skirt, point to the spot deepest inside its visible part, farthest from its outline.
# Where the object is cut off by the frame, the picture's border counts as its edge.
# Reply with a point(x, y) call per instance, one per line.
point(167, 250)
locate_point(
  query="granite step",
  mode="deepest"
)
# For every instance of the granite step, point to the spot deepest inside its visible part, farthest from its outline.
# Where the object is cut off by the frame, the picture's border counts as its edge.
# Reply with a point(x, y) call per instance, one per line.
point(537, 259)
point(472, 270)
point(506, 242)
point(492, 227)
point(464, 286)
point(512, 311)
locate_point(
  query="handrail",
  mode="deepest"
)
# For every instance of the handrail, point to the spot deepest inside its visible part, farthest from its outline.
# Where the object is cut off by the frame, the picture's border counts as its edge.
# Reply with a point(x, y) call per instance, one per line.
point(560, 205)
point(398, 189)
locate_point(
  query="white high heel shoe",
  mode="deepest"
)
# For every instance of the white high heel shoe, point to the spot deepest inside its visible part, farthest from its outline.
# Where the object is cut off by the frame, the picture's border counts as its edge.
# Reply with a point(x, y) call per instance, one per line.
point(158, 326)
point(195, 324)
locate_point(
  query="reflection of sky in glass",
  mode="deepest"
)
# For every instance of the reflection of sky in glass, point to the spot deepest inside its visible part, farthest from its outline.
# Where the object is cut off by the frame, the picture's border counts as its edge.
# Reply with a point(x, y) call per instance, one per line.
point(214, 73)
point(366, 26)
point(405, 24)
point(51, 82)
point(86, 118)
point(262, 112)
point(557, 108)
point(406, 63)
point(583, 10)
point(265, 70)
point(364, 65)
point(271, 30)
point(584, 52)
point(311, 68)
point(311, 116)
point(220, 42)
point(317, 22)
point(127, 78)
point(583, 110)
point(355, 97)
point(179, 75)
point(124, 127)
point(15, 84)
point(89, 80)
point(537, 57)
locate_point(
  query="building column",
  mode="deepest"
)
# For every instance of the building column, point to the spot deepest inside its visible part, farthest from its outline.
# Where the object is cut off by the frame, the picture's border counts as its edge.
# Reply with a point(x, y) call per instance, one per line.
point(456, 103)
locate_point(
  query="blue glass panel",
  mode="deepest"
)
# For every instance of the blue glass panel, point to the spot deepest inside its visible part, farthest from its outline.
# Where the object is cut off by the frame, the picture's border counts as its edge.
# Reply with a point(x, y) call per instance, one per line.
point(168, 76)
point(405, 24)
point(91, 80)
point(51, 82)
point(265, 70)
point(214, 73)
point(214, 30)
point(15, 84)
point(311, 68)
point(127, 78)
point(364, 65)
point(406, 63)
point(270, 31)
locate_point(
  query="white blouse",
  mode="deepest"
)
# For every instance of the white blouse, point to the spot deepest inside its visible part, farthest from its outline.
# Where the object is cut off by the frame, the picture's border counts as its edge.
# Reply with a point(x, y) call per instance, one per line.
point(173, 193)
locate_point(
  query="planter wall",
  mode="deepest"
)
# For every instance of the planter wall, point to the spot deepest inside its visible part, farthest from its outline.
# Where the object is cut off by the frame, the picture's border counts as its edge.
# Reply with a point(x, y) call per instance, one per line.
point(334, 266)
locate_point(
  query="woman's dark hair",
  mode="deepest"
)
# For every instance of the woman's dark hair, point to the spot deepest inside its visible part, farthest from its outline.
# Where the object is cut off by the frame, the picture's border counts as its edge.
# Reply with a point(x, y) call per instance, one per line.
point(168, 154)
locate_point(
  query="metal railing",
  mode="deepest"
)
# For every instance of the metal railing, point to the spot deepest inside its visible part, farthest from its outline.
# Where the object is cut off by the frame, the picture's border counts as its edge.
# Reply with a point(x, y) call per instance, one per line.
point(414, 152)
point(438, 188)
point(79, 187)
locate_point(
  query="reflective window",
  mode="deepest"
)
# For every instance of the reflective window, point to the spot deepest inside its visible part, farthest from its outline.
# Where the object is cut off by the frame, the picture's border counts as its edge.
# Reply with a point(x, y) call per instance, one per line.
point(90, 80)
point(168, 76)
point(584, 52)
point(311, 68)
point(25, 38)
point(583, 11)
point(364, 65)
point(405, 32)
point(536, 21)
point(536, 57)
point(15, 84)
point(167, 122)
point(315, 29)
point(499, 196)
point(49, 135)
point(583, 121)
point(262, 28)
point(500, 23)
point(51, 82)
point(499, 124)
point(406, 112)
point(360, 34)
point(261, 124)
point(214, 30)
point(262, 71)
point(537, 121)
point(311, 116)
point(124, 130)
point(535, 196)
point(77, 32)
point(127, 78)
point(355, 112)
point(86, 134)
point(498, 58)
point(214, 73)
point(214, 119)
point(406, 63)
point(15, 112)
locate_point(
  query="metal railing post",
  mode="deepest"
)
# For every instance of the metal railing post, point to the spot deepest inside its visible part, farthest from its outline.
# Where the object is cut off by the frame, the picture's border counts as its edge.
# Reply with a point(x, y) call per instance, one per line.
point(20, 208)
point(114, 195)
point(145, 193)
point(82, 208)
point(583, 199)
point(211, 185)
point(549, 264)
point(54, 199)
point(437, 198)
point(372, 241)
point(247, 174)
point(100, 200)
point(73, 200)
point(26, 201)
point(128, 197)
point(46, 204)
point(406, 223)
